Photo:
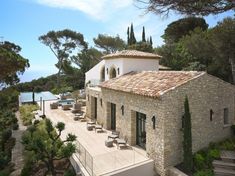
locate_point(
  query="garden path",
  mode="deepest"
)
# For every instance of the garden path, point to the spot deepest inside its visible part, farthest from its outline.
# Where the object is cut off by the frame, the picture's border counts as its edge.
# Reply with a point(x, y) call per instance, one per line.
point(17, 152)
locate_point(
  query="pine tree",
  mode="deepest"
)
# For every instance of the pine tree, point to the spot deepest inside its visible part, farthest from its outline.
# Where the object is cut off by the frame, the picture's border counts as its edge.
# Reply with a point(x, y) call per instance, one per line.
point(143, 35)
point(151, 42)
point(128, 36)
point(187, 141)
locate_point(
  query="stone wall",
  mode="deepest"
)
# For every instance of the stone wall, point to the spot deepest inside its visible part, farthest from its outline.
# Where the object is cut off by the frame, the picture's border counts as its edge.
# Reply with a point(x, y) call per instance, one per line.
point(164, 143)
point(126, 123)
point(204, 93)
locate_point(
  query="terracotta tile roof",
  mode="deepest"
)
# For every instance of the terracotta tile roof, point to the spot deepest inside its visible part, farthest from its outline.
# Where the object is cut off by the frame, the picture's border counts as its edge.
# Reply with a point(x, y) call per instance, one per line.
point(132, 54)
point(150, 83)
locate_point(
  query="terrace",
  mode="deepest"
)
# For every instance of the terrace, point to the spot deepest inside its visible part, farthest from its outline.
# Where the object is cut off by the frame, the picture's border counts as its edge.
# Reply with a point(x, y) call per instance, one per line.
point(95, 157)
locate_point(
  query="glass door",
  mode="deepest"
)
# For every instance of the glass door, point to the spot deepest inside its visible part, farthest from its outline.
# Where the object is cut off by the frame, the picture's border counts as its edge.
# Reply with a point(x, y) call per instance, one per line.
point(140, 130)
point(95, 108)
point(113, 116)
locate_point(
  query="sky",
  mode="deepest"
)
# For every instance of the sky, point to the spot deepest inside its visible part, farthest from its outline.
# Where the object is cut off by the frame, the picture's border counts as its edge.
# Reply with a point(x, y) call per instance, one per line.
point(23, 21)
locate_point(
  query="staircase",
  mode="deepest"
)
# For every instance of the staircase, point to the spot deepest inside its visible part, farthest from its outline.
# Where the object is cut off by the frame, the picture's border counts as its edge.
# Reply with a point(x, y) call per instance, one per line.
point(225, 166)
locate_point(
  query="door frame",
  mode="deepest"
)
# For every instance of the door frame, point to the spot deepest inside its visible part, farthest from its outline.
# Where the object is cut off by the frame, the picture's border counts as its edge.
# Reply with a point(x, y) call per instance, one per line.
point(141, 129)
point(113, 116)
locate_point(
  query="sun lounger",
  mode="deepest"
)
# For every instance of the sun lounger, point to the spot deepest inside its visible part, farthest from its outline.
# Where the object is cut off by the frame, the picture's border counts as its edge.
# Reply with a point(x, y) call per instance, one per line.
point(98, 128)
point(54, 105)
point(121, 142)
point(114, 135)
point(66, 107)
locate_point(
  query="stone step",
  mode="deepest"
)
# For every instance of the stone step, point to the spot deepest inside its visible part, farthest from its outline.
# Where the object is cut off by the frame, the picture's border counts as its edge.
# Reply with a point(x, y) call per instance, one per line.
point(228, 156)
point(224, 165)
point(223, 172)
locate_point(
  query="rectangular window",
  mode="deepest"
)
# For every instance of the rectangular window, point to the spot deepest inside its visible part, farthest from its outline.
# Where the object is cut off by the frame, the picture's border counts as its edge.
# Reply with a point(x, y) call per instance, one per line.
point(211, 115)
point(122, 108)
point(226, 118)
point(182, 121)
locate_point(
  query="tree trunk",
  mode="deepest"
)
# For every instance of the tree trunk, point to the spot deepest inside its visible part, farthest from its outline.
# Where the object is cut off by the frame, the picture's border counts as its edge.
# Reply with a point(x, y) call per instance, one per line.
point(58, 78)
point(59, 72)
point(231, 60)
point(51, 167)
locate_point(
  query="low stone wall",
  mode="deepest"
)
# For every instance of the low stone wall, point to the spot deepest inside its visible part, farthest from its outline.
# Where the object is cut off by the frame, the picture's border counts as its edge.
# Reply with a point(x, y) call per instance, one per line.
point(172, 171)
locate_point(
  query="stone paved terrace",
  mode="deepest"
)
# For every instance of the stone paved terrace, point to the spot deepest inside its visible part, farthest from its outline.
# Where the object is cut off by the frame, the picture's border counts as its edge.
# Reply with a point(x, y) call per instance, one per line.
point(105, 160)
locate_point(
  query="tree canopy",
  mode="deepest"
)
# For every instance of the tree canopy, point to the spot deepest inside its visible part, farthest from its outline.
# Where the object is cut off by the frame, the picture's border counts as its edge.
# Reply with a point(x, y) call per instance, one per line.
point(109, 44)
point(188, 7)
point(63, 44)
point(182, 27)
point(210, 50)
point(142, 45)
point(42, 140)
point(11, 63)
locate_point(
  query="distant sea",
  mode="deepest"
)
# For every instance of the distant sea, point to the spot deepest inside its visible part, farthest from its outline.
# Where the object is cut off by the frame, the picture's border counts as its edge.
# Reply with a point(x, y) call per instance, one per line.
point(31, 75)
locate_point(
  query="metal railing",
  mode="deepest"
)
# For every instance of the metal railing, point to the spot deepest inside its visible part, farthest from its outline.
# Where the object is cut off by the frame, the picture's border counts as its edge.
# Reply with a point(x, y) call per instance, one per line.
point(106, 163)
point(85, 158)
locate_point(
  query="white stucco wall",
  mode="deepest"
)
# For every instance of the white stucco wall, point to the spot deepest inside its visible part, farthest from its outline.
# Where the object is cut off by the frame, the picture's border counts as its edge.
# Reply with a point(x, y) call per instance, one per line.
point(94, 73)
point(132, 64)
point(115, 63)
point(125, 65)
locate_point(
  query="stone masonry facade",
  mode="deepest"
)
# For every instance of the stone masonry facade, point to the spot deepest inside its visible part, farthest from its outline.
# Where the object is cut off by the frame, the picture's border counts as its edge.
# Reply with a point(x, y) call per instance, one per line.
point(164, 143)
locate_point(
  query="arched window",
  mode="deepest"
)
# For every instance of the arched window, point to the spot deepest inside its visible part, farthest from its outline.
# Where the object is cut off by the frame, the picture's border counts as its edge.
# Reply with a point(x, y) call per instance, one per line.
point(102, 74)
point(113, 73)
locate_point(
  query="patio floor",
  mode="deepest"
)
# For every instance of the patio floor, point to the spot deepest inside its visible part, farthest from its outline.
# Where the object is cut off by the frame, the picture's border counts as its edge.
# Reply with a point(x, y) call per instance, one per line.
point(104, 159)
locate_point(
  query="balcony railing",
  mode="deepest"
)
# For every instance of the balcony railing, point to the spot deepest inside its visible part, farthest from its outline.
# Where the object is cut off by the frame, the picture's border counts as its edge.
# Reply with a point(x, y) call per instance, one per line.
point(85, 158)
point(94, 82)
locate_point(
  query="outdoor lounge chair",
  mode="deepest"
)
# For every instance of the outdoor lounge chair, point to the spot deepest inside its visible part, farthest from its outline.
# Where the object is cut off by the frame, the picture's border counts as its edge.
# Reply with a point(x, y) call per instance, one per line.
point(98, 128)
point(121, 142)
point(114, 135)
point(54, 105)
point(90, 125)
point(76, 108)
point(66, 107)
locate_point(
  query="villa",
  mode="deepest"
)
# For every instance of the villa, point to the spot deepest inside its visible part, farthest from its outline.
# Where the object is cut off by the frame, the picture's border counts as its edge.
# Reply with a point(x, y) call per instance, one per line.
point(126, 92)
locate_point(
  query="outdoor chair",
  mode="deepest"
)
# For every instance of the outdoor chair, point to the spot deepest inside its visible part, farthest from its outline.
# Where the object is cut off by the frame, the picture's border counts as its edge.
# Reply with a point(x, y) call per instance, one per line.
point(90, 127)
point(76, 108)
point(109, 142)
point(114, 135)
point(121, 142)
point(54, 105)
point(98, 128)
point(66, 107)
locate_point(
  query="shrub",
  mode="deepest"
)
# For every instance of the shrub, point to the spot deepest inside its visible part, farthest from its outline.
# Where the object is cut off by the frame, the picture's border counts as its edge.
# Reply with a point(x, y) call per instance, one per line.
point(26, 170)
point(227, 145)
point(26, 113)
point(69, 172)
point(36, 122)
point(15, 126)
point(6, 135)
point(199, 161)
point(4, 160)
point(4, 173)
point(204, 173)
point(214, 154)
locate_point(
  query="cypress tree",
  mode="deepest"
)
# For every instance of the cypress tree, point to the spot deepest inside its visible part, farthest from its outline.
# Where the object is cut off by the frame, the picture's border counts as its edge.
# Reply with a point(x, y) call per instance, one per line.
point(132, 36)
point(143, 35)
point(151, 42)
point(187, 141)
point(128, 36)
